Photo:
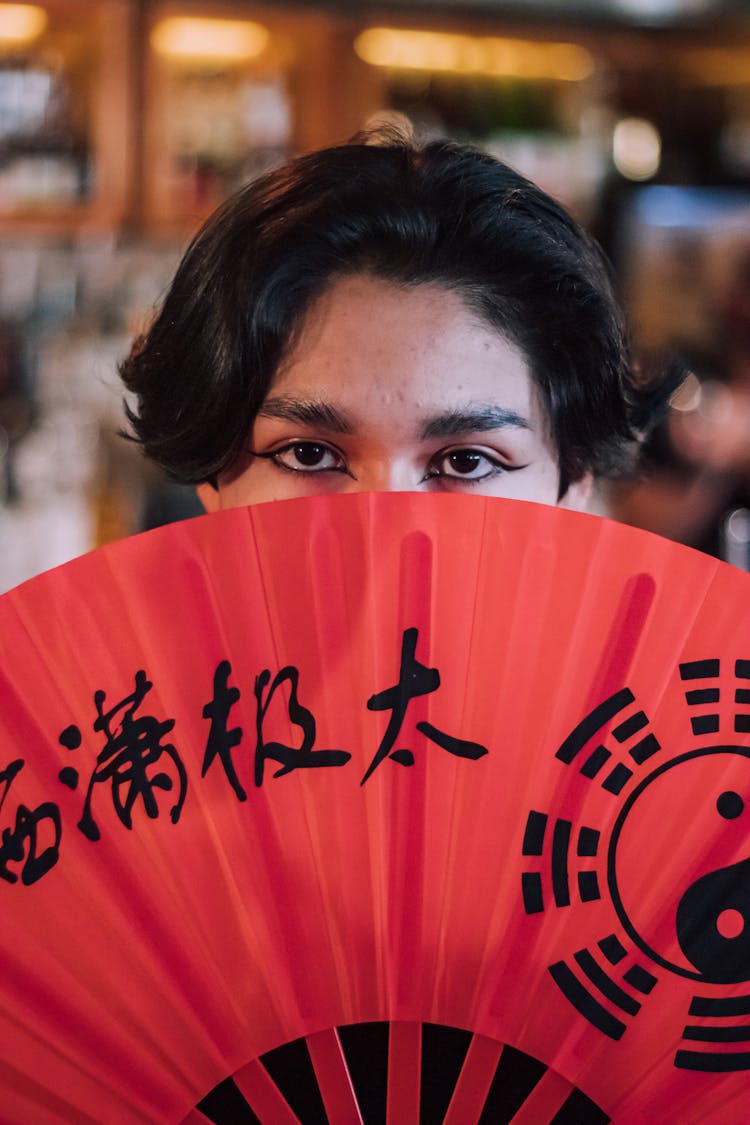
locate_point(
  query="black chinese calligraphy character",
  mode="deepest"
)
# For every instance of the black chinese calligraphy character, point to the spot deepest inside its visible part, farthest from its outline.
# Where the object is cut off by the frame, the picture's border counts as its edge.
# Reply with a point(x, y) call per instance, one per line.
point(289, 757)
point(20, 844)
point(133, 748)
point(221, 740)
point(415, 679)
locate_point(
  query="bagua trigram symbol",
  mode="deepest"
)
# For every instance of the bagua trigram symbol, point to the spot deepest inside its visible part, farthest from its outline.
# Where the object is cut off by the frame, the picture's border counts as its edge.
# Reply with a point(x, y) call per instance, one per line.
point(684, 810)
point(598, 982)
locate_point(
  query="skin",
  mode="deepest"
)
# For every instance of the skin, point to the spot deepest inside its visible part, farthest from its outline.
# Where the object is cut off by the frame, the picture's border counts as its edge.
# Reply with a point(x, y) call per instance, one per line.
point(397, 388)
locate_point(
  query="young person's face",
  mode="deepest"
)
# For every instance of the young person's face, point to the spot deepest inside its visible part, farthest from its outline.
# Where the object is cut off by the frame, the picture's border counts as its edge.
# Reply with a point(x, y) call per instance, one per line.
point(398, 388)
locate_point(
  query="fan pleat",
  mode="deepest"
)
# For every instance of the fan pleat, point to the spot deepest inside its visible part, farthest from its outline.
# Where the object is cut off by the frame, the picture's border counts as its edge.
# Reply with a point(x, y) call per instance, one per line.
point(544, 1101)
point(474, 1080)
point(404, 1072)
point(263, 1095)
point(333, 1077)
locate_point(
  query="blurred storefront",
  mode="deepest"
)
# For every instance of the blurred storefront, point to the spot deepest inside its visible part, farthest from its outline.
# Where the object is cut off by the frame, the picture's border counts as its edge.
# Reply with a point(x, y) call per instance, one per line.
point(124, 122)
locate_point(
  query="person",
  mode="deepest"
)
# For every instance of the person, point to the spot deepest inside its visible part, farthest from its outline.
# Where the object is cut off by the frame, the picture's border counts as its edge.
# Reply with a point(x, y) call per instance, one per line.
point(388, 315)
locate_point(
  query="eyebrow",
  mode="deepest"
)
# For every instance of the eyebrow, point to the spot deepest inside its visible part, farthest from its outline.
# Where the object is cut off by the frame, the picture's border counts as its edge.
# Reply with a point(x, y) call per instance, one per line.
point(460, 420)
point(479, 419)
point(307, 412)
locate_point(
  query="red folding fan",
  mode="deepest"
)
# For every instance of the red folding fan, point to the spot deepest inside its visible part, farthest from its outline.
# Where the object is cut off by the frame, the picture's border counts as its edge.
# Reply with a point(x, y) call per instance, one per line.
point(366, 807)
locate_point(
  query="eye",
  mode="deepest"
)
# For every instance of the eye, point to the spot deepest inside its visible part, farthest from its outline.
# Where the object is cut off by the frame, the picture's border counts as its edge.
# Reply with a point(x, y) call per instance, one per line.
point(465, 463)
point(307, 457)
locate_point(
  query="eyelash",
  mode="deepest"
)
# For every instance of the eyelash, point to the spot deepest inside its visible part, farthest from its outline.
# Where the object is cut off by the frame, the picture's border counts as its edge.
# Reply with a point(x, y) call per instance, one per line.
point(497, 466)
point(275, 454)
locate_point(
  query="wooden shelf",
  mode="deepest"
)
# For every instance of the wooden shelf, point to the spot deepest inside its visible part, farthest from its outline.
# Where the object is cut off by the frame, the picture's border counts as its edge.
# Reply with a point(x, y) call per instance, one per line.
point(195, 152)
point(165, 140)
point(87, 49)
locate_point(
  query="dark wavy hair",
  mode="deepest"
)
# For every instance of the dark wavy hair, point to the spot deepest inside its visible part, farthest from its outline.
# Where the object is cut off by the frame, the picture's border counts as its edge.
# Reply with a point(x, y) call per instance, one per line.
point(439, 213)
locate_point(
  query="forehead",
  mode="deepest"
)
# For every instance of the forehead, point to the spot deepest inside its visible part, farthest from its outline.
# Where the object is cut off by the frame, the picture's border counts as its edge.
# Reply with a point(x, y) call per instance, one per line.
point(368, 343)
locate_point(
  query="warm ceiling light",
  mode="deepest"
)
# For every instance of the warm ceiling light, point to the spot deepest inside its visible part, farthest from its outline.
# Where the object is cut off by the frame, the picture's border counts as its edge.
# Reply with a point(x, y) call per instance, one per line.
point(718, 66)
point(469, 54)
point(636, 148)
point(198, 40)
point(20, 23)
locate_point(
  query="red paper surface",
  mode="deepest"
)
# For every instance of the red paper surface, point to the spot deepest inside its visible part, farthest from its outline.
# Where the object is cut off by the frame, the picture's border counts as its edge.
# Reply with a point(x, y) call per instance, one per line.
point(394, 757)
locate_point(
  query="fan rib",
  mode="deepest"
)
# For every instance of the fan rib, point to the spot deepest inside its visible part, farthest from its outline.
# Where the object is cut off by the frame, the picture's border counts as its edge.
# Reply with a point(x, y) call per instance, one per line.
point(474, 1081)
point(333, 1077)
point(404, 1072)
point(263, 1095)
point(548, 1096)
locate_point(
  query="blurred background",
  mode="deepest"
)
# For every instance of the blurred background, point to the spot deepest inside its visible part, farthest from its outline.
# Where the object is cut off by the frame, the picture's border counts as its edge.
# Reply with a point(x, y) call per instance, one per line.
point(124, 122)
